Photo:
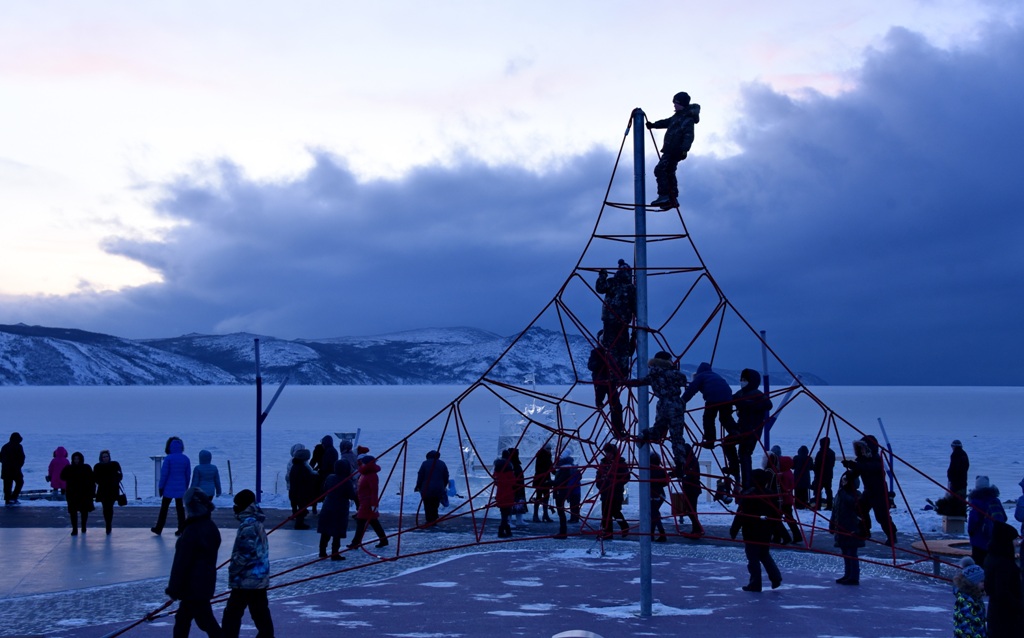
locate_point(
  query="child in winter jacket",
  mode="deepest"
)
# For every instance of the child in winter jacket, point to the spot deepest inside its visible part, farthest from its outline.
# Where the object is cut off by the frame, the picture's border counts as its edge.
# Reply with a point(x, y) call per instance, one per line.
point(249, 570)
point(206, 476)
point(848, 527)
point(969, 617)
point(58, 463)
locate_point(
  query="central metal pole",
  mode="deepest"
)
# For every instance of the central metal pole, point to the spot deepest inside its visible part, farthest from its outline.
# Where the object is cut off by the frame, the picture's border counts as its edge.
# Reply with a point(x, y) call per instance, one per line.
point(643, 418)
point(259, 426)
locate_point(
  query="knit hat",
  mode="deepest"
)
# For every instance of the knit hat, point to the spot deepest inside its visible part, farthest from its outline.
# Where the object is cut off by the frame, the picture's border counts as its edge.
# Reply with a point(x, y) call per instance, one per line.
point(956, 443)
point(362, 449)
point(244, 499)
point(681, 98)
point(982, 482)
point(974, 574)
point(197, 502)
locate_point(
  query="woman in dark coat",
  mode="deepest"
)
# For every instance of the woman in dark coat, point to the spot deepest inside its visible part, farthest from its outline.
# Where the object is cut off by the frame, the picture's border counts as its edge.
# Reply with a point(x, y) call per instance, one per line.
point(754, 517)
point(432, 484)
point(847, 527)
point(1002, 584)
point(333, 522)
point(81, 488)
point(108, 486)
point(194, 570)
point(802, 475)
point(542, 483)
point(659, 482)
point(303, 487)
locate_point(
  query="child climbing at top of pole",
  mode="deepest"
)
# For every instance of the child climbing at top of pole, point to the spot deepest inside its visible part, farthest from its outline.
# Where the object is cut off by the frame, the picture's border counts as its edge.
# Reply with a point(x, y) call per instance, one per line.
point(678, 139)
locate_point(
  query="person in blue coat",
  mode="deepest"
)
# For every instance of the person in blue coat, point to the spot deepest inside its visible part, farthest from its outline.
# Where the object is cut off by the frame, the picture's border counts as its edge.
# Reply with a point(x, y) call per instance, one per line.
point(206, 476)
point(717, 401)
point(175, 472)
point(432, 483)
point(983, 511)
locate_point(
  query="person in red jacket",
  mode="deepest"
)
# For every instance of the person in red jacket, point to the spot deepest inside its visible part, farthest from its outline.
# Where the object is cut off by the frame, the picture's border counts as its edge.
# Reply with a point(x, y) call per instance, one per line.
point(504, 494)
point(787, 487)
point(368, 500)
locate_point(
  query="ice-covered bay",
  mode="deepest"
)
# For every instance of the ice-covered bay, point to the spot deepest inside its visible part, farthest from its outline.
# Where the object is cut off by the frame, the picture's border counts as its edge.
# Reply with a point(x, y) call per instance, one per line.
point(134, 423)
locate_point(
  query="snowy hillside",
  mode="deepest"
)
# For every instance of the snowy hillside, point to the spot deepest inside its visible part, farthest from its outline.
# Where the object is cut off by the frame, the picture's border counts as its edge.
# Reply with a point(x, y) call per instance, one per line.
point(36, 355)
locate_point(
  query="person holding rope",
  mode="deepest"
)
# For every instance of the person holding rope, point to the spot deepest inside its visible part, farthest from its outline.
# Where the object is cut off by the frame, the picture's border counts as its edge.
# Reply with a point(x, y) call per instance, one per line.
point(717, 397)
point(677, 143)
point(666, 383)
point(754, 517)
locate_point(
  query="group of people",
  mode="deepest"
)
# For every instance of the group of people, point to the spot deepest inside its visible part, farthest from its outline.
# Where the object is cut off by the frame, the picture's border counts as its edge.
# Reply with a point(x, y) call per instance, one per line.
point(177, 475)
point(193, 577)
point(333, 478)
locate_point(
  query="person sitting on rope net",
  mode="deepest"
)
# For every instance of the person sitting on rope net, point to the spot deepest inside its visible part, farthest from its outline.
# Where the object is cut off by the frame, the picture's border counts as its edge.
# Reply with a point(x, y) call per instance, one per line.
point(717, 401)
point(677, 143)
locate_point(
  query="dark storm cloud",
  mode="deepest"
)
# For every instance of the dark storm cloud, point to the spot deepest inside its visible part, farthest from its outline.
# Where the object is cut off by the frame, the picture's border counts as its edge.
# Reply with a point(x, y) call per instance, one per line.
point(875, 235)
point(325, 255)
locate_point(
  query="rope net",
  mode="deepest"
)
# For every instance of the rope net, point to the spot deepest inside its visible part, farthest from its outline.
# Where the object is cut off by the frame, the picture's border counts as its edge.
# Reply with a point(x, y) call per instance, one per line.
point(690, 317)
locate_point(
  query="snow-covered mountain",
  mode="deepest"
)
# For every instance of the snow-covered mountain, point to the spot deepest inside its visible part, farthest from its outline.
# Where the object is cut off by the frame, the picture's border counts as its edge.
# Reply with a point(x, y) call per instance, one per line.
point(36, 355)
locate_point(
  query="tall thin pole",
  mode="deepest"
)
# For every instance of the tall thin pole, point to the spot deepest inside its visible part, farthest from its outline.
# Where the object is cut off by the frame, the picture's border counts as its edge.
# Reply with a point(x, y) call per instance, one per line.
point(640, 222)
point(259, 426)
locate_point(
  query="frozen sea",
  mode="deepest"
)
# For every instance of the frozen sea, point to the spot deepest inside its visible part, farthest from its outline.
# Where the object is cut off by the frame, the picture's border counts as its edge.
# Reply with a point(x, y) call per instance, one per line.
point(134, 423)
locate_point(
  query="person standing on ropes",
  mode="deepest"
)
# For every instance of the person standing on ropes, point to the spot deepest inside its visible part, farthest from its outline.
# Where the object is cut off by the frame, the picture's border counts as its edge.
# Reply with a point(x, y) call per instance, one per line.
point(717, 396)
point(666, 383)
point(752, 408)
point(618, 311)
point(612, 477)
point(678, 139)
point(607, 377)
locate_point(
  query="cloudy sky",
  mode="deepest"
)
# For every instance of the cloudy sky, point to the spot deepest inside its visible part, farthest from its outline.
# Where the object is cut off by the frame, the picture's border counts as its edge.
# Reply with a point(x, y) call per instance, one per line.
point(323, 169)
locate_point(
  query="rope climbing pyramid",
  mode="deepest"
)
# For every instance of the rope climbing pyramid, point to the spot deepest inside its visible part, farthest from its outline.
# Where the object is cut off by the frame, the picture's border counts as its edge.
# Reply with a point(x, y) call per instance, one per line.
point(558, 438)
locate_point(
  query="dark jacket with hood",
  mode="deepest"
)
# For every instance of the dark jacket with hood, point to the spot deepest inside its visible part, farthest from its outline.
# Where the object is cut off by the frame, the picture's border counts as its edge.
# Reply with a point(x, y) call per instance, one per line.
point(755, 509)
point(752, 406)
point(1003, 586)
point(846, 522)
point(81, 486)
point(194, 571)
point(206, 476)
point(329, 457)
point(12, 456)
point(108, 481)
point(338, 491)
point(802, 468)
point(870, 469)
point(710, 384)
point(432, 478)
point(303, 482)
point(679, 136)
point(983, 511)
point(959, 465)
